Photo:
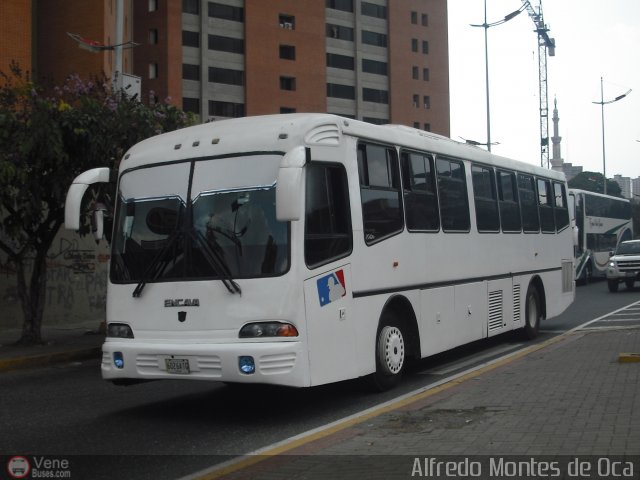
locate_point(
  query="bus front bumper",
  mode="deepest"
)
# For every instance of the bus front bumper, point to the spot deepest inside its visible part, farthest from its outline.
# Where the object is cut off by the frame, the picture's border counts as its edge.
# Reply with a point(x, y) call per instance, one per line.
point(280, 363)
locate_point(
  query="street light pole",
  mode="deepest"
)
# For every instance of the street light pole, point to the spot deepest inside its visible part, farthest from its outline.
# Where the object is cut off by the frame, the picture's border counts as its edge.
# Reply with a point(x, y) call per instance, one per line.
point(602, 103)
point(486, 71)
point(486, 27)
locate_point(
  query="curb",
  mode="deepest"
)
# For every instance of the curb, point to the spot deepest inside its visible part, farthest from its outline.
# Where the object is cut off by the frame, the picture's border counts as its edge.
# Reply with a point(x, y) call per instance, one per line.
point(49, 358)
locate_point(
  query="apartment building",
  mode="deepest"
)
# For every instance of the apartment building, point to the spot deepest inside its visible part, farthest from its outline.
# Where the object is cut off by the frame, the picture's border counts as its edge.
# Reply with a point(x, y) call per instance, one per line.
point(375, 60)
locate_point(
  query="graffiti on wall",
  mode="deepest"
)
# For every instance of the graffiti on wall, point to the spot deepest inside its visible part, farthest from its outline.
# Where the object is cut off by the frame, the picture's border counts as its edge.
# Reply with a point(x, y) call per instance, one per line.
point(76, 282)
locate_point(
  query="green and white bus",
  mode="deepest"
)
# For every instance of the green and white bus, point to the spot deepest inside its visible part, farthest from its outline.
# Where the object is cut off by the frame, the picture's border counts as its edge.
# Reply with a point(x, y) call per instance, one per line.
point(602, 222)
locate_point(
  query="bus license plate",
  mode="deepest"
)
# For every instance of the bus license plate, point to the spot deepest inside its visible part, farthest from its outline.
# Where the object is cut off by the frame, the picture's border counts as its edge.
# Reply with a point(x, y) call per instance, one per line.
point(177, 365)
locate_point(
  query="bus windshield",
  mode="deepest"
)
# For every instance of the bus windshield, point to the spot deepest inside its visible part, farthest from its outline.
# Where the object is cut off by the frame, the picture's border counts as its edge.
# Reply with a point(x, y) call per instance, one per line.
point(226, 234)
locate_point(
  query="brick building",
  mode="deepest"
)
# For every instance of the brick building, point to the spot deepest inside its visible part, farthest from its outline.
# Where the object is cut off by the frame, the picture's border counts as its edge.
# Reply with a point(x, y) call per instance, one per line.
point(375, 60)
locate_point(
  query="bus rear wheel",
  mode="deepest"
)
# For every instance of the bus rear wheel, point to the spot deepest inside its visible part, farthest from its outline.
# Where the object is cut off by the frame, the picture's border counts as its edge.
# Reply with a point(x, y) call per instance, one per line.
point(391, 353)
point(532, 314)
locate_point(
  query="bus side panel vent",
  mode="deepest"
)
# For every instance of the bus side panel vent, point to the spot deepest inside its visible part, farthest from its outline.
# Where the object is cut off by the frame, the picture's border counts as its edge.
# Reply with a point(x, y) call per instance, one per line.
point(516, 303)
point(567, 276)
point(495, 310)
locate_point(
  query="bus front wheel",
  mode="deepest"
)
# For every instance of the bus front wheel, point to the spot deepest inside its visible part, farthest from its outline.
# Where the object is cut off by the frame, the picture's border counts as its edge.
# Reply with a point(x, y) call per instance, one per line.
point(613, 285)
point(391, 352)
point(532, 314)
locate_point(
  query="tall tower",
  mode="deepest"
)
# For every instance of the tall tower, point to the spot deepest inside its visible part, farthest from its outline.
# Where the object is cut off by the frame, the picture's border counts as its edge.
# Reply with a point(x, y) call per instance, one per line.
point(556, 160)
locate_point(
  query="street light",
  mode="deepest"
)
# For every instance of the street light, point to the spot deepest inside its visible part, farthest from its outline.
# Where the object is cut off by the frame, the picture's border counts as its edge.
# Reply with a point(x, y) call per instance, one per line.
point(602, 103)
point(486, 27)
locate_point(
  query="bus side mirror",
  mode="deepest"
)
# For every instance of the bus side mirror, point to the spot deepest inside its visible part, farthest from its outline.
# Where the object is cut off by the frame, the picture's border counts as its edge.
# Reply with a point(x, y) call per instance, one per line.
point(73, 203)
point(289, 186)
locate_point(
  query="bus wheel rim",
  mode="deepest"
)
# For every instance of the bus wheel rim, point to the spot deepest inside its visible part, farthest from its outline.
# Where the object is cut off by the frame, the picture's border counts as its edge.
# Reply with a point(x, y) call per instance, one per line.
point(392, 349)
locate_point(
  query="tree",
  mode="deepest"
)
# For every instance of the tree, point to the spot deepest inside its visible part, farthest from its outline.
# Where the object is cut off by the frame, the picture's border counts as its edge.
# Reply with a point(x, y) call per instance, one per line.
point(592, 182)
point(48, 135)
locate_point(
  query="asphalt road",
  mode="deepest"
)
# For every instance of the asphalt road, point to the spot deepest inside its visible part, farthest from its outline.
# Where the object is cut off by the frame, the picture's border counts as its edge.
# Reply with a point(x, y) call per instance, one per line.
point(176, 427)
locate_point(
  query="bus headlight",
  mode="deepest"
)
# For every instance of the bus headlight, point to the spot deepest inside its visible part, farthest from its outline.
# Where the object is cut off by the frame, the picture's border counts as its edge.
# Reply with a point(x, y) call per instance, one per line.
point(119, 330)
point(268, 329)
point(612, 264)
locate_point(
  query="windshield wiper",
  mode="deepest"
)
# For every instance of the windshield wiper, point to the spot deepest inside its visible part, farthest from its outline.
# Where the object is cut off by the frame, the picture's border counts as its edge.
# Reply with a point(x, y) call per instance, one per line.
point(156, 264)
point(216, 262)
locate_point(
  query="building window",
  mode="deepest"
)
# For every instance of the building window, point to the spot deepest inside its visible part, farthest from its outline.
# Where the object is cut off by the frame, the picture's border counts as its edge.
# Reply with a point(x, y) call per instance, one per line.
point(288, 52)
point(191, 105)
point(226, 44)
point(287, 110)
point(336, 90)
point(190, 39)
point(425, 20)
point(226, 12)
point(416, 103)
point(427, 102)
point(190, 72)
point(374, 66)
point(415, 73)
point(374, 38)
point(153, 36)
point(191, 6)
point(153, 5)
point(339, 32)
point(287, 83)
point(226, 109)
point(226, 75)
point(374, 95)
point(414, 44)
point(425, 74)
point(340, 61)
point(375, 120)
point(373, 10)
point(153, 70)
point(416, 124)
point(427, 127)
point(425, 46)
point(344, 5)
point(288, 22)
point(414, 18)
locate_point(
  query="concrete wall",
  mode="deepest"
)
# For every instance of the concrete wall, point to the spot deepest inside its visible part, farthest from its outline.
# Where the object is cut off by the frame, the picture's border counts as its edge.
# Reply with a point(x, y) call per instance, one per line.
point(76, 283)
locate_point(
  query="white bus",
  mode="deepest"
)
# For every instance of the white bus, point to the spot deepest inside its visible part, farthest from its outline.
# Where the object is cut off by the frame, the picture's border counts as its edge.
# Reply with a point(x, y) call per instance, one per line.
point(305, 249)
point(602, 221)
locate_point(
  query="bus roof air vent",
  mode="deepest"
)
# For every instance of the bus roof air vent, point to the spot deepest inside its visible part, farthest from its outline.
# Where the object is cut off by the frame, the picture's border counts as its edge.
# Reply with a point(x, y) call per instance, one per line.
point(327, 134)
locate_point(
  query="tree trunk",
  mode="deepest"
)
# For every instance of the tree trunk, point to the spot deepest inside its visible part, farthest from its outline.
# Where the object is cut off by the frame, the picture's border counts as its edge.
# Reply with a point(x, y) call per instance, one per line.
point(33, 299)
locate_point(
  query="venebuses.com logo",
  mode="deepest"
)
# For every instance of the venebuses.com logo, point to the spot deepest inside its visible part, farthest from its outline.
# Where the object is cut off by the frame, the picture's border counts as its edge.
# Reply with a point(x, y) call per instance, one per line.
point(20, 466)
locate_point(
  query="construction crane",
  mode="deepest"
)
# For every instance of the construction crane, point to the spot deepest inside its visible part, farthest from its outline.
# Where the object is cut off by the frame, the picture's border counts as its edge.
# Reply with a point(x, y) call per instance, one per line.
point(545, 44)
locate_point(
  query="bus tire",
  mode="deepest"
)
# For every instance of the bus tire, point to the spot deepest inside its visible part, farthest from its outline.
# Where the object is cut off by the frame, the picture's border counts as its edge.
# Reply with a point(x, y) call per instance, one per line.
point(532, 314)
point(613, 285)
point(391, 353)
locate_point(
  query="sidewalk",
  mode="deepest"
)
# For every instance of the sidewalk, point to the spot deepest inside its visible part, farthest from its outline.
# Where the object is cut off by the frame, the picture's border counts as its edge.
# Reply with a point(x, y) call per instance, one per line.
point(62, 344)
point(566, 403)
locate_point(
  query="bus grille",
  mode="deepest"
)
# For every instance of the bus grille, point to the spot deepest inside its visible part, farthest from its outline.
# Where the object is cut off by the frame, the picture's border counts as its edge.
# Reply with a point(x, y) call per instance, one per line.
point(516, 303)
point(567, 276)
point(277, 364)
point(495, 310)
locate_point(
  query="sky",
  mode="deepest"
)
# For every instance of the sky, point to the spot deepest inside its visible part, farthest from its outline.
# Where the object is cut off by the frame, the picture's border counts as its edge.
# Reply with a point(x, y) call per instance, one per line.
point(594, 39)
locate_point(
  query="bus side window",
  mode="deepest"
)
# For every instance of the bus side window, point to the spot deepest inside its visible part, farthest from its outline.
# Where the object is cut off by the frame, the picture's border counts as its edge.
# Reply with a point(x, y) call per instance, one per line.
point(380, 193)
point(485, 198)
point(328, 232)
point(560, 206)
point(545, 202)
point(420, 200)
point(528, 203)
point(452, 193)
point(509, 205)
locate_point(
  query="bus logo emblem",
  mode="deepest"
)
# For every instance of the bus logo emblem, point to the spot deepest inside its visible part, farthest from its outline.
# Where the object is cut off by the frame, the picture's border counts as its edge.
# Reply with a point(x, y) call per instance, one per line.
point(331, 288)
